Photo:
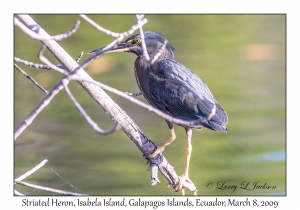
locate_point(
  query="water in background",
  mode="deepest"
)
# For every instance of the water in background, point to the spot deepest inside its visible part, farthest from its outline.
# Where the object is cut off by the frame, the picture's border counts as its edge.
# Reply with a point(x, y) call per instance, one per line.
point(240, 57)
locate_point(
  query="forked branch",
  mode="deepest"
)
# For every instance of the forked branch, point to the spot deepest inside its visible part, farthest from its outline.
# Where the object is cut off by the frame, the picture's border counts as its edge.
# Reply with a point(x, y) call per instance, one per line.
point(33, 186)
point(76, 72)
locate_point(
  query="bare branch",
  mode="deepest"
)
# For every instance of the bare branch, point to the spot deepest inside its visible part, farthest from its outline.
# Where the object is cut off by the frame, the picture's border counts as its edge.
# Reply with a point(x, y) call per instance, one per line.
point(30, 78)
point(150, 108)
point(146, 146)
point(48, 189)
point(71, 76)
point(32, 65)
point(18, 193)
point(79, 57)
point(65, 82)
point(30, 32)
point(96, 54)
point(28, 173)
point(68, 33)
point(107, 32)
point(144, 47)
point(85, 115)
point(64, 179)
point(42, 66)
point(58, 87)
point(153, 174)
point(48, 63)
point(139, 16)
point(34, 28)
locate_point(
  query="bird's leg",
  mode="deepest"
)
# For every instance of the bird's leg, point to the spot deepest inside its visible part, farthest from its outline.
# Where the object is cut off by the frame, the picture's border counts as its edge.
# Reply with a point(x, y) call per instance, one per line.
point(162, 146)
point(185, 175)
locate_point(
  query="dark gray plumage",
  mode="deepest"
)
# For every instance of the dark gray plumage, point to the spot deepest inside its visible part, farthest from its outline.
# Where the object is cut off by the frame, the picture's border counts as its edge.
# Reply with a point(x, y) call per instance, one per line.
point(172, 88)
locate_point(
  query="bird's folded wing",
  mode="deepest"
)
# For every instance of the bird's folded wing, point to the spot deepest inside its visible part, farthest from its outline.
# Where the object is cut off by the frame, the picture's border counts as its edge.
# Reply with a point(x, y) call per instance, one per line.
point(178, 91)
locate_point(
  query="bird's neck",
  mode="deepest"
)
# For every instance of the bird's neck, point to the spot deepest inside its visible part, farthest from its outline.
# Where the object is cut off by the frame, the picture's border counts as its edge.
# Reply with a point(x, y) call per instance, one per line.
point(158, 53)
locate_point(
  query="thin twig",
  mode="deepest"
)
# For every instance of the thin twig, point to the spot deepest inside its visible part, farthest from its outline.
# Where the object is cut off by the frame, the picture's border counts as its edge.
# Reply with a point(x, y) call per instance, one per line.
point(43, 66)
point(150, 108)
point(144, 47)
point(48, 189)
point(30, 78)
point(32, 32)
point(130, 128)
point(32, 65)
point(79, 57)
point(18, 193)
point(96, 54)
point(139, 16)
point(107, 32)
point(28, 120)
point(59, 86)
point(89, 120)
point(68, 33)
point(48, 63)
point(28, 173)
point(73, 76)
point(64, 179)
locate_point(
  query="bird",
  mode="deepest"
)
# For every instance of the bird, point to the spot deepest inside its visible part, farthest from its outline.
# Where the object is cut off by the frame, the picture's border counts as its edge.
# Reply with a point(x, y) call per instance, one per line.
point(174, 89)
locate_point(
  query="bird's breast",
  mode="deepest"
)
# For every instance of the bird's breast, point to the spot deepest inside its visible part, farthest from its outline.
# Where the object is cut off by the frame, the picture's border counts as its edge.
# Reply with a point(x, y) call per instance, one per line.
point(142, 75)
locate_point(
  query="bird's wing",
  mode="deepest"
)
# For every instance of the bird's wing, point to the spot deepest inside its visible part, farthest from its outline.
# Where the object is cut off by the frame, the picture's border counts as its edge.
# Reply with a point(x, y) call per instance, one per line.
point(180, 92)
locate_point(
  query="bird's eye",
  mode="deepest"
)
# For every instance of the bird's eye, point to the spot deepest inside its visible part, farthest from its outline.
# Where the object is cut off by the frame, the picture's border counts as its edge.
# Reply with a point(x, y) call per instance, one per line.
point(137, 40)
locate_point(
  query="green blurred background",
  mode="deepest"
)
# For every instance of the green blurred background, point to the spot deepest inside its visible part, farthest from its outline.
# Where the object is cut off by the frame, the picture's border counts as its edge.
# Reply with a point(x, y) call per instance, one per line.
point(242, 58)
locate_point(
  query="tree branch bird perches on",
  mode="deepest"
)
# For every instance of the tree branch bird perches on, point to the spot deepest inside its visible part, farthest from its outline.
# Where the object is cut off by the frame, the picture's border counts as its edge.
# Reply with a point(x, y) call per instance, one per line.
point(174, 89)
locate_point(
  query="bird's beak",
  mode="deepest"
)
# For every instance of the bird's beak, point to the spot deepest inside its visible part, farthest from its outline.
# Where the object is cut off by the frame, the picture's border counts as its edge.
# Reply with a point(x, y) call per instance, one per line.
point(122, 47)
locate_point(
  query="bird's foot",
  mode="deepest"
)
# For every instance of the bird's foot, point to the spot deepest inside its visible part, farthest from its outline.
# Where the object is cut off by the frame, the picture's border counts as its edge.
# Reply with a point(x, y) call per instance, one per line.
point(158, 150)
point(180, 184)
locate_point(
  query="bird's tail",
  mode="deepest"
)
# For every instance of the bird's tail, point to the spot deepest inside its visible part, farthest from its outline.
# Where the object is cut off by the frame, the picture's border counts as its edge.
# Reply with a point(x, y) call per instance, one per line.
point(218, 121)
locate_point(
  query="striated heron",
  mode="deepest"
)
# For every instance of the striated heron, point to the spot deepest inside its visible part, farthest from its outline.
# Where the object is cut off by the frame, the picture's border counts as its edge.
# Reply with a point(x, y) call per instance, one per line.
point(174, 89)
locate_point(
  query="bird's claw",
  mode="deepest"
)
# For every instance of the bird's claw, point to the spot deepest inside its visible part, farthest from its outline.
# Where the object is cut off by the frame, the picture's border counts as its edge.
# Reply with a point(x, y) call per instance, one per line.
point(180, 184)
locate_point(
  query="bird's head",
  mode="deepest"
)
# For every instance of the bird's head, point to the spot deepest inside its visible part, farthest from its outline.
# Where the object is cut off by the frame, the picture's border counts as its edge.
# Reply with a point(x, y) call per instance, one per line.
point(155, 43)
